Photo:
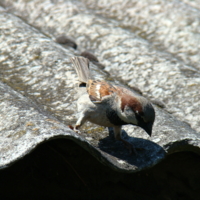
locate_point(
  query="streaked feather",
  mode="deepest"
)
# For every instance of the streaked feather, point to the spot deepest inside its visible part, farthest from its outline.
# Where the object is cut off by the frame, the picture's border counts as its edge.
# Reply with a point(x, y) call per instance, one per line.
point(81, 66)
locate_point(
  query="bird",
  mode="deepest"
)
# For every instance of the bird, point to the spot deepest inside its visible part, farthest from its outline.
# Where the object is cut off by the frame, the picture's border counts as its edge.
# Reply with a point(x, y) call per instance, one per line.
point(92, 58)
point(109, 105)
point(66, 41)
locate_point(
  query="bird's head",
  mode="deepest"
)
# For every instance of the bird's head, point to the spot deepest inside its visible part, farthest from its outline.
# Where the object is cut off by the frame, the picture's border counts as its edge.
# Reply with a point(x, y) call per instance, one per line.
point(138, 111)
point(146, 117)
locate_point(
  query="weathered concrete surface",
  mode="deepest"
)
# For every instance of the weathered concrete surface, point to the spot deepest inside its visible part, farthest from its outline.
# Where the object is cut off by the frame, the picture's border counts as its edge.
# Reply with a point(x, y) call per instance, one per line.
point(31, 67)
point(172, 26)
point(195, 4)
point(32, 64)
point(154, 46)
point(61, 169)
point(24, 126)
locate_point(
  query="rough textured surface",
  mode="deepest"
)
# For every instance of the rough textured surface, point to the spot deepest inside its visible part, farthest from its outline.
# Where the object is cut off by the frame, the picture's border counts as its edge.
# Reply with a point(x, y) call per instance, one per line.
point(50, 84)
point(29, 126)
point(153, 47)
point(158, 39)
point(61, 169)
point(171, 26)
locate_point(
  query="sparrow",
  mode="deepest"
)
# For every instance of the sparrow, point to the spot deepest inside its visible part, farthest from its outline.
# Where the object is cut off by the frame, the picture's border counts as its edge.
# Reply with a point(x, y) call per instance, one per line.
point(66, 41)
point(109, 105)
point(92, 58)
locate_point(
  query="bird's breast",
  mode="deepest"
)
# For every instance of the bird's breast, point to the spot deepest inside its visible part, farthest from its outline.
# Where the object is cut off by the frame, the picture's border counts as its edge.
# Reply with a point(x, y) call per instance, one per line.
point(102, 113)
point(105, 116)
point(113, 117)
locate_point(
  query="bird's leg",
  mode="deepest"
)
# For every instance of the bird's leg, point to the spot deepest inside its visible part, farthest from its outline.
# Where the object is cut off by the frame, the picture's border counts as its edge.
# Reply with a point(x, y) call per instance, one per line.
point(129, 146)
point(81, 120)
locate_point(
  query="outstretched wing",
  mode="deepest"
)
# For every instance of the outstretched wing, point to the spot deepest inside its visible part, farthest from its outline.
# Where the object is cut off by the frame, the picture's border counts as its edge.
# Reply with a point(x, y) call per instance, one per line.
point(97, 90)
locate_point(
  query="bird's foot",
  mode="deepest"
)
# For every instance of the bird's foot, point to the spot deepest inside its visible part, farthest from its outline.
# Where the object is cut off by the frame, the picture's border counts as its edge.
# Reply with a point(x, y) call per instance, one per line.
point(130, 147)
point(75, 129)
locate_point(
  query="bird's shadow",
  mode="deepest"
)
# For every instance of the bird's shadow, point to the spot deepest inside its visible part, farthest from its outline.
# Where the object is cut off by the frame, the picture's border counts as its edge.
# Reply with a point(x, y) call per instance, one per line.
point(147, 154)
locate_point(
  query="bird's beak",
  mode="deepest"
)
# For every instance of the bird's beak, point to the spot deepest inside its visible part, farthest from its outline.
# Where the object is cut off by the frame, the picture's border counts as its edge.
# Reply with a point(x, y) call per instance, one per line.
point(147, 127)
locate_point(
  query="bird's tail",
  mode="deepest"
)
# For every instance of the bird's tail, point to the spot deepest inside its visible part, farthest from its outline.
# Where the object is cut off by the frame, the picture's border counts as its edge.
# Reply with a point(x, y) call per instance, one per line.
point(81, 66)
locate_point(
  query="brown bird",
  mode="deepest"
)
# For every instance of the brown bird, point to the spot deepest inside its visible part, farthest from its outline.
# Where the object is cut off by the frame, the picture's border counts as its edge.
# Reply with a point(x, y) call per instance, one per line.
point(91, 57)
point(110, 105)
point(66, 41)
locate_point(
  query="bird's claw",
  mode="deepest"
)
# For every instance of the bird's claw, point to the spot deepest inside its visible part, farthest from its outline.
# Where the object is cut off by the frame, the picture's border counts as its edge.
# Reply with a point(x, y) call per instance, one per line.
point(132, 150)
point(135, 150)
point(75, 129)
point(130, 147)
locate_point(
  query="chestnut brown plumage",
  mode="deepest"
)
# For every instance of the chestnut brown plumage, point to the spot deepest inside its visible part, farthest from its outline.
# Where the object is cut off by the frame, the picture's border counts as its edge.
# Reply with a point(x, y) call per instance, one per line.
point(110, 105)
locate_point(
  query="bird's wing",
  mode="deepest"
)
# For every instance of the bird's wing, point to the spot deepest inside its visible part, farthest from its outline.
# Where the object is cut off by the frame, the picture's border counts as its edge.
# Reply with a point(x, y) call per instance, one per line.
point(97, 90)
